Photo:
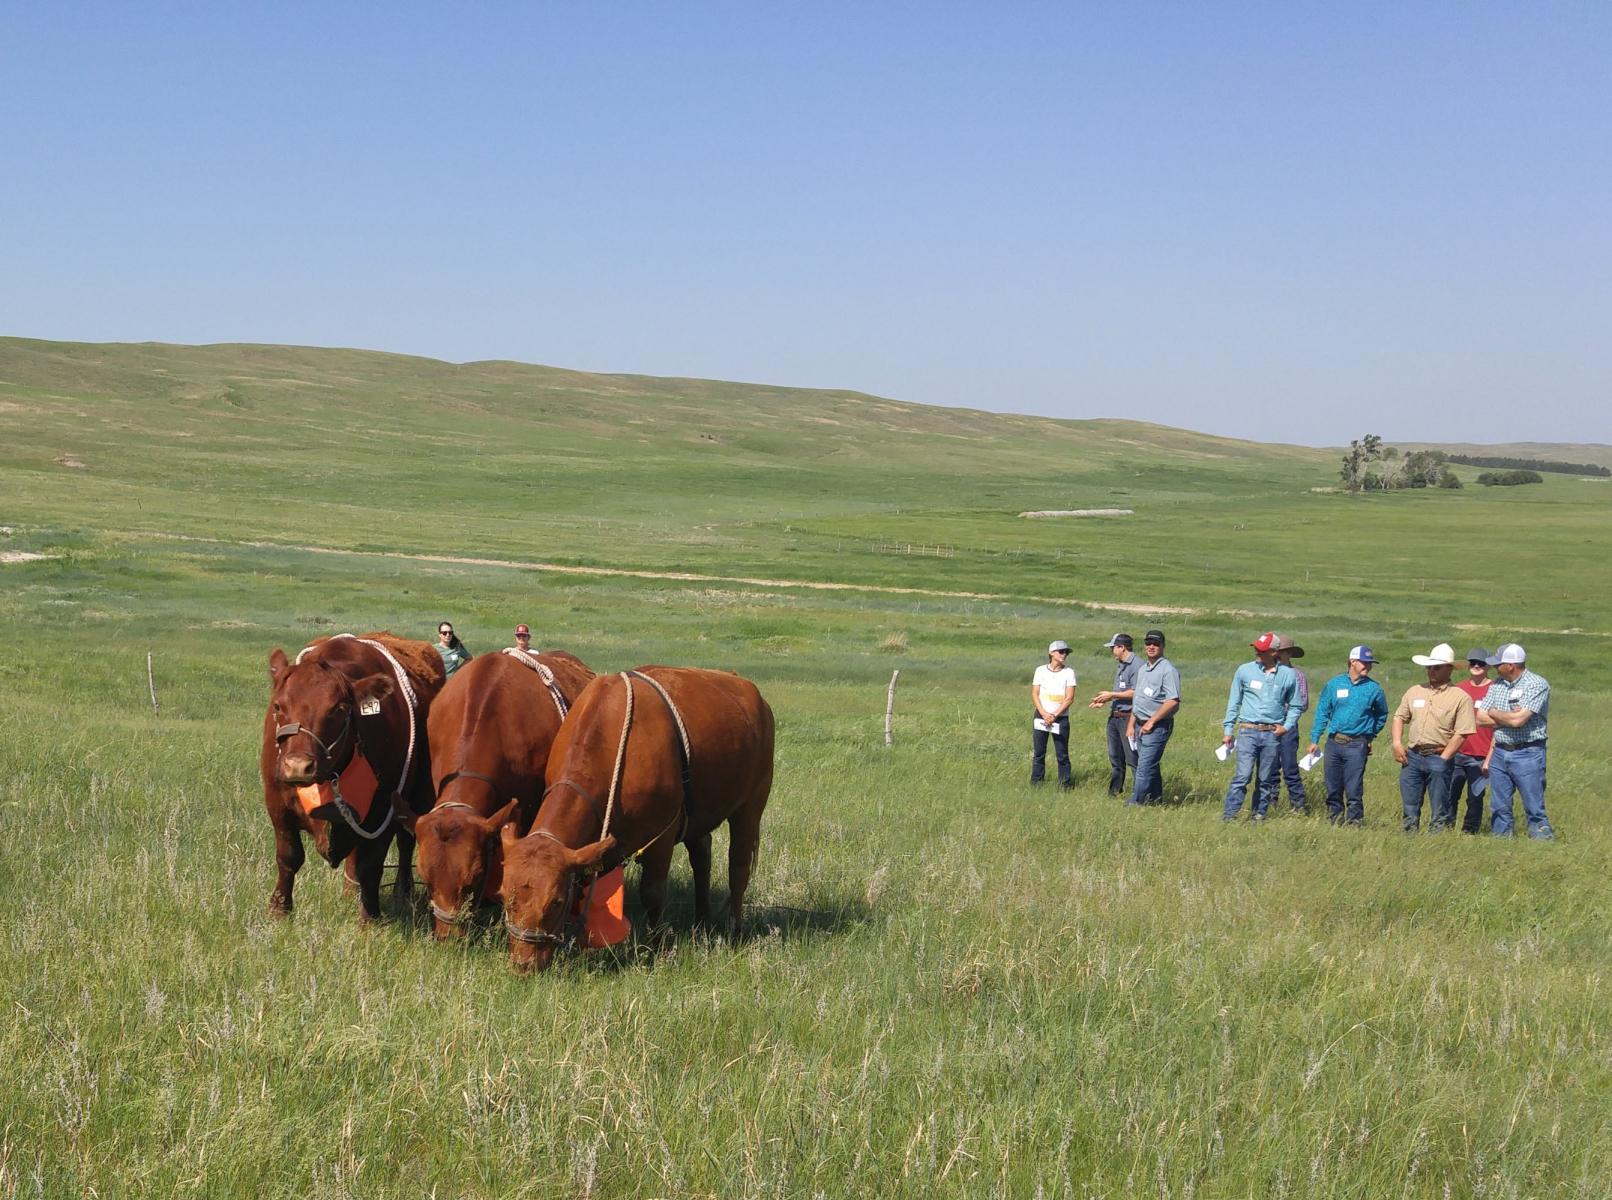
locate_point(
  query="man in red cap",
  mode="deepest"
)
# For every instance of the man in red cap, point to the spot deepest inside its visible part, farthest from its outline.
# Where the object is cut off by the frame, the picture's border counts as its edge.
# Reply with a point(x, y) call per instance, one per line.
point(523, 638)
point(1262, 707)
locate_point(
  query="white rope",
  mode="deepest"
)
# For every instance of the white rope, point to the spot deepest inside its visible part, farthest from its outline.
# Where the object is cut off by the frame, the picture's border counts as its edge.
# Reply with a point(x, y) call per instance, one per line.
point(621, 758)
point(527, 659)
point(408, 695)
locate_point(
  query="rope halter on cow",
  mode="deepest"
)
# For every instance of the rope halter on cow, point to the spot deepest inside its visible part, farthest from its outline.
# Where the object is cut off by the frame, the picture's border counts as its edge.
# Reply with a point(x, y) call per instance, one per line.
point(527, 659)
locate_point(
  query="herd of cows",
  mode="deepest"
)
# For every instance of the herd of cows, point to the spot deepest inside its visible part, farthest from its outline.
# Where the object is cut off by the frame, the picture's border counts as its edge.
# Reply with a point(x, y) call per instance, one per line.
point(525, 779)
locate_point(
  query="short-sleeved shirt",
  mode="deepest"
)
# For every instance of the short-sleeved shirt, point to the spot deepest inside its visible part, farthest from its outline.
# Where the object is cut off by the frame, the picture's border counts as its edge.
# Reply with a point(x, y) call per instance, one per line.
point(1528, 691)
point(1125, 674)
point(1434, 715)
point(453, 657)
point(1155, 683)
point(1478, 744)
point(1053, 686)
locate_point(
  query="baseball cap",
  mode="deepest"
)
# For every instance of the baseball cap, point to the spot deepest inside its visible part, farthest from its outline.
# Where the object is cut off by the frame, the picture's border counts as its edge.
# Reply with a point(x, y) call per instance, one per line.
point(1510, 653)
point(1119, 639)
point(1060, 644)
point(1362, 654)
point(1479, 654)
point(1286, 643)
point(1154, 635)
point(1264, 642)
point(1441, 655)
point(520, 629)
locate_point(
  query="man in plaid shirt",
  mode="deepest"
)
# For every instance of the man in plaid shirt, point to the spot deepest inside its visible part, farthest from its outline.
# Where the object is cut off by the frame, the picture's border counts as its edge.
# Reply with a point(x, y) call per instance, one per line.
point(1516, 708)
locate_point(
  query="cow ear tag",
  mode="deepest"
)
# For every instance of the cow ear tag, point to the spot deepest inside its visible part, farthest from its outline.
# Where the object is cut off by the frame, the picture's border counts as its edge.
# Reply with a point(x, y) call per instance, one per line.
point(369, 708)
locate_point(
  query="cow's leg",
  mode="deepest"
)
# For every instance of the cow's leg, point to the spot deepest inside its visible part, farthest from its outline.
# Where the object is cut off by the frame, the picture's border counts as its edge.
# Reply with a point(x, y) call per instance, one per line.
point(699, 860)
point(370, 859)
point(744, 840)
point(288, 857)
point(405, 862)
point(657, 863)
point(349, 875)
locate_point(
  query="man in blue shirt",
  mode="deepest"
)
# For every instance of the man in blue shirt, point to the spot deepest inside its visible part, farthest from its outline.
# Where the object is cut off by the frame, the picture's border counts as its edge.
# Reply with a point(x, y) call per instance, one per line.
point(1153, 703)
point(1121, 754)
point(1516, 708)
point(1352, 711)
point(1262, 706)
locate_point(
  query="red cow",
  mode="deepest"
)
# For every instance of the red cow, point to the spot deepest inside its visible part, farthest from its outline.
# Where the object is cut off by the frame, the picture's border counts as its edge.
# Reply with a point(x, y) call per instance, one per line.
point(344, 732)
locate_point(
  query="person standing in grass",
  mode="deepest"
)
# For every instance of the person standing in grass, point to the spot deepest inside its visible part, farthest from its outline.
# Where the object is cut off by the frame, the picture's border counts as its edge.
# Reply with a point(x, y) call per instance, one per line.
point(1154, 700)
point(1053, 690)
point(1471, 760)
point(1288, 751)
point(1262, 706)
point(1432, 721)
point(454, 654)
point(1515, 709)
point(1351, 712)
point(1121, 753)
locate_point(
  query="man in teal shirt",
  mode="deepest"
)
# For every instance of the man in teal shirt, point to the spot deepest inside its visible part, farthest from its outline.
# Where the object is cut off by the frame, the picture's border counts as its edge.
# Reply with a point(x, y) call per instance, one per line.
point(1263, 705)
point(1352, 711)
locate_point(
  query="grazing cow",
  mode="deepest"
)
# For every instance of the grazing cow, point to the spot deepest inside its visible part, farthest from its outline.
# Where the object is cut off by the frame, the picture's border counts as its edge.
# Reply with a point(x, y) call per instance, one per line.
point(645, 759)
point(490, 730)
point(344, 732)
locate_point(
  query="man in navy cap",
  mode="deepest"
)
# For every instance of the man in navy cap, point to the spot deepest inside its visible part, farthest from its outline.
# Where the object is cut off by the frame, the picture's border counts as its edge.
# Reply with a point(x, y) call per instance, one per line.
point(1351, 712)
point(1121, 753)
point(1152, 719)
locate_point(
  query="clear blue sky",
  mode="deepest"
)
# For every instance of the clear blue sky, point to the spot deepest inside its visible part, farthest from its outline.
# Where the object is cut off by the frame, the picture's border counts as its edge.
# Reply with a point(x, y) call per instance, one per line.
point(1288, 221)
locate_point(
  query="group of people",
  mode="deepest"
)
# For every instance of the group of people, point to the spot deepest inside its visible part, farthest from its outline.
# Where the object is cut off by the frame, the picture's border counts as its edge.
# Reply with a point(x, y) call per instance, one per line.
point(1482, 735)
point(453, 651)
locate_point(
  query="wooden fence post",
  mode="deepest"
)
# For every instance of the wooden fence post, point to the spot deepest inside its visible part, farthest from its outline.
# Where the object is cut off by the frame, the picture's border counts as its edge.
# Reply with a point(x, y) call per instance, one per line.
point(890, 704)
point(151, 682)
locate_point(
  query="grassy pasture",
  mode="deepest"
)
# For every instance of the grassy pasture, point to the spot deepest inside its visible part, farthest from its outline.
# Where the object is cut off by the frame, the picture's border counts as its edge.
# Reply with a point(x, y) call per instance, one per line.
point(956, 985)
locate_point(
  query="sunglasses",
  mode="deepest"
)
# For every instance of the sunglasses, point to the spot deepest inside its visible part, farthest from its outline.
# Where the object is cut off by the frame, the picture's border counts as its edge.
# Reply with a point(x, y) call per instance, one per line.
point(446, 630)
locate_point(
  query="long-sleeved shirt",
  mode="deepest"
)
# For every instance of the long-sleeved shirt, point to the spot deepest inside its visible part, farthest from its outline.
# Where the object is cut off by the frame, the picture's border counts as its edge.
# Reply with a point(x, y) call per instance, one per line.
point(1261, 698)
point(1356, 710)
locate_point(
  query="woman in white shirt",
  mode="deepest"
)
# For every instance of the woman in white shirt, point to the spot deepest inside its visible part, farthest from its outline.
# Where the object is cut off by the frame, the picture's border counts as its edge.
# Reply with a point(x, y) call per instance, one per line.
point(1053, 691)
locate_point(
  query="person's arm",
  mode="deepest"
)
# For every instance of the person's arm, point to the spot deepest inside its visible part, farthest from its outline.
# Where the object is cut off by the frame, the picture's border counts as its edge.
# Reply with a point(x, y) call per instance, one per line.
point(1165, 709)
point(1068, 698)
point(1234, 703)
point(1323, 717)
point(1515, 719)
point(1399, 734)
point(1290, 719)
point(1464, 726)
point(1378, 712)
point(1102, 698)
point(1035, 696)
point(1130, 726)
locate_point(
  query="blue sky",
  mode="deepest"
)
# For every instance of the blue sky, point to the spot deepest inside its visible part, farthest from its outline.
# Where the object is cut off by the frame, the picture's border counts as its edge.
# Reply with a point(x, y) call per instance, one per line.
point(1292, 222)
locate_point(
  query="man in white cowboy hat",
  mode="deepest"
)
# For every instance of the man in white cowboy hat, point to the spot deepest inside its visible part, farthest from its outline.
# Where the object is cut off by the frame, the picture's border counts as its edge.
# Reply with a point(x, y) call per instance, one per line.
point(1053, 691)
point(1432, 721)
point(1515, 708)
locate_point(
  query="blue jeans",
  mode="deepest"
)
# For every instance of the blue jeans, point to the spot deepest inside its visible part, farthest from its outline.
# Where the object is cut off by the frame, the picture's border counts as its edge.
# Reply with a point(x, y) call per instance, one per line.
point(1469, 773)
point(1058, 731)
point(1257, 749)
point(1288, 749)
point(1429, 773)
point(1521, 771)
point(1149, 752)
point(1344, 770)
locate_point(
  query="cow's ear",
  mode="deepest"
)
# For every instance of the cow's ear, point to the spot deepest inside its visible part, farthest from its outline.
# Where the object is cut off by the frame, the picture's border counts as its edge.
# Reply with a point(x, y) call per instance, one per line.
point(325, 812)
point(503, 817)
point(372, 689)
point(405, 815)
point(278, 662)
point(508, 835)
point(593, 855)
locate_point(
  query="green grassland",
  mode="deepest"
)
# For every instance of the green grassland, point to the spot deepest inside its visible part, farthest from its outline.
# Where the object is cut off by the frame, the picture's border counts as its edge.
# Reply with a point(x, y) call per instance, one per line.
point(955, 985)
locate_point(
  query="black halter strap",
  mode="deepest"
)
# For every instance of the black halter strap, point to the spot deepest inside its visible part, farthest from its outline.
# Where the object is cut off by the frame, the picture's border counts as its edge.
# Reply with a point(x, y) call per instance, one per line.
point(452, 775)
point(682, 749)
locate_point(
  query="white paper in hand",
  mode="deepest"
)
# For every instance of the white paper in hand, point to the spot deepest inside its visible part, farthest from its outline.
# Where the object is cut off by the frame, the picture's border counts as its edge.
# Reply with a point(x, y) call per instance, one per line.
point(1222, 752)
point(1307, 763)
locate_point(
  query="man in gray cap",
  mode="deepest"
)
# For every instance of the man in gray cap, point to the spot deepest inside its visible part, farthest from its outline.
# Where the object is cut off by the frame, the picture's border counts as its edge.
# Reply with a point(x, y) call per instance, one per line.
point(1516, 708)
point(1053, 690)
point(1121, 754)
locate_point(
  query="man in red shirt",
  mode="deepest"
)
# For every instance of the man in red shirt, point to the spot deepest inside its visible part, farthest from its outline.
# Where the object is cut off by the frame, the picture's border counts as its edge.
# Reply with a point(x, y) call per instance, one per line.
point(1471, 760)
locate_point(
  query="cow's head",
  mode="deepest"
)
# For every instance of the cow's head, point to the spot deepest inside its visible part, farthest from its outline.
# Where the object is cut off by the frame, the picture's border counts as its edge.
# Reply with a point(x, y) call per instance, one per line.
point(460, 860)
point(542, 880)
point(315, 711)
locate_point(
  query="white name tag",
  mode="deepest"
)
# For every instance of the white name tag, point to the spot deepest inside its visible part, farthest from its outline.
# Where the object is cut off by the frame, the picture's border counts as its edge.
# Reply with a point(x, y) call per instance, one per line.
point(1343, 693)
point(1257, 684)
point(368, 708)
point(1418, 703)
point(1147, 691)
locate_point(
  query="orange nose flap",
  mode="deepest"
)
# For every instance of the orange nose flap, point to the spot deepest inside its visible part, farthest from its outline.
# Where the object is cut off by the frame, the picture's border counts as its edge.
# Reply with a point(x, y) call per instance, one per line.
point(607, 913)
point(358, 787)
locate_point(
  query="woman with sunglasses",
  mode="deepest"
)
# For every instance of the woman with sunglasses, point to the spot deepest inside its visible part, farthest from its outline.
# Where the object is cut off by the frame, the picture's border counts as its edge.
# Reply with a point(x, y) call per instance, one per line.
point(454, 654)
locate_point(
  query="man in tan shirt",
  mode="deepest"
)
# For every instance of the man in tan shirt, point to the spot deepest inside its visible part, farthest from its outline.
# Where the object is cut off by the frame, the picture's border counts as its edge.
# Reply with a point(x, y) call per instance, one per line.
point(1432, 721)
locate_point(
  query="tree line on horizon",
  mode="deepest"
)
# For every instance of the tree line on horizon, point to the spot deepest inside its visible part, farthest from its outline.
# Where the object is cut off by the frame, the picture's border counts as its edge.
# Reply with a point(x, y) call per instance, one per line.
point(1529, 464)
